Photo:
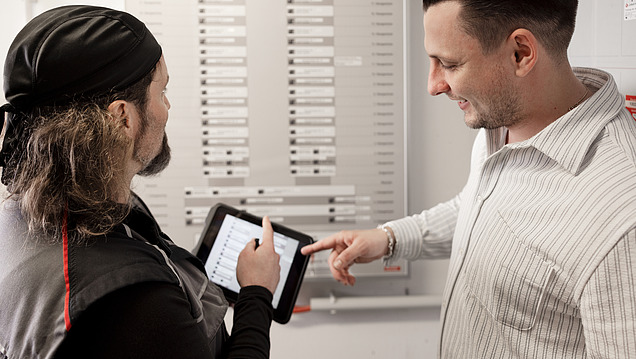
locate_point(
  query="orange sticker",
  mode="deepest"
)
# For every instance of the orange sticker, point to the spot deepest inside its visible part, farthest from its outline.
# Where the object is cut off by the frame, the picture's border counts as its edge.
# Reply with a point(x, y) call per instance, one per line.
point(630, 104)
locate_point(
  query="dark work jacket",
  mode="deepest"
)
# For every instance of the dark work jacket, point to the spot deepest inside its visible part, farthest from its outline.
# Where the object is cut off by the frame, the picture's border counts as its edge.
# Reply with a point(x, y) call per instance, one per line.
point(45, 288)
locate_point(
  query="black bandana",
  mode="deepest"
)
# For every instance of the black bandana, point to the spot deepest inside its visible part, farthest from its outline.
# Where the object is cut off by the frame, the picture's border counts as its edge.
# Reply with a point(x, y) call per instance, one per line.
point(73, 51)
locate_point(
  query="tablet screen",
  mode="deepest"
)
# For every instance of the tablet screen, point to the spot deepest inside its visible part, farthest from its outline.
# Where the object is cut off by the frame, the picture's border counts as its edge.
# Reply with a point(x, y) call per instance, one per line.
point(232, 237)
point(227, 230)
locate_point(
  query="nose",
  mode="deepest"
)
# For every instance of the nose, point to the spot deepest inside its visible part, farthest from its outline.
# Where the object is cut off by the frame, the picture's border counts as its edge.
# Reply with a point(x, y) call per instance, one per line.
point(437, 84)
point(167, 102)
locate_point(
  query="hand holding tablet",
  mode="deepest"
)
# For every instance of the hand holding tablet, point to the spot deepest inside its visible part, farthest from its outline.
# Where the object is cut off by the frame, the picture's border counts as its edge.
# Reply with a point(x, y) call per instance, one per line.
point(258, 261)
point(230, 233)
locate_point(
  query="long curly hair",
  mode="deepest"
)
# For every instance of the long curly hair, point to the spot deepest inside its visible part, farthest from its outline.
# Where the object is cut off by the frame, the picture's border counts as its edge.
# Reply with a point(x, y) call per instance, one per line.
point(70, 161)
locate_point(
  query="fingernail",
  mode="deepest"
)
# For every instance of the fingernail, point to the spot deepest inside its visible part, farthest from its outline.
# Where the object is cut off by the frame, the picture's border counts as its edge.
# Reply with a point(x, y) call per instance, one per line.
point(337, 264)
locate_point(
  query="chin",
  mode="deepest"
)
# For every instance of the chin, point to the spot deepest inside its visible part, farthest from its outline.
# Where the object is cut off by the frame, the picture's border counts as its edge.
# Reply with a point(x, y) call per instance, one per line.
point(472, 123)
point(159, 162)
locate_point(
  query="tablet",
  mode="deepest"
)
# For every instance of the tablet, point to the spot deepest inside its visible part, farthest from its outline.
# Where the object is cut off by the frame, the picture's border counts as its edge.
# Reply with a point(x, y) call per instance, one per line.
point(227, 230)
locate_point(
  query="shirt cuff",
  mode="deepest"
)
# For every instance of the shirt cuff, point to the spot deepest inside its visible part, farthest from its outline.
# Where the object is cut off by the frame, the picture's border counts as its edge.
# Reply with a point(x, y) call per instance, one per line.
point(408, 237)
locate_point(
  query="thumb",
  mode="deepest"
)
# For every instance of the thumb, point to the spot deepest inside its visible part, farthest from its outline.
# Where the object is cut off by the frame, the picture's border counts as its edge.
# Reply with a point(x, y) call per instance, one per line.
point(344, 260)
point(349, 240)
point(251, 244)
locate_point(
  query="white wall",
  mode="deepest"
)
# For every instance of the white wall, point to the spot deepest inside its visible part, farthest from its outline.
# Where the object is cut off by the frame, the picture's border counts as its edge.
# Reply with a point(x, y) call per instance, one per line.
point(603, 39)
point(13, 20)
point(438, 154)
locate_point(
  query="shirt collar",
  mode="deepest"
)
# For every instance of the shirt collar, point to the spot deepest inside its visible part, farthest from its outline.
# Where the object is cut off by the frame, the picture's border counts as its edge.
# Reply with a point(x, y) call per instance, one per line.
point(568, 139)
point(144, 227)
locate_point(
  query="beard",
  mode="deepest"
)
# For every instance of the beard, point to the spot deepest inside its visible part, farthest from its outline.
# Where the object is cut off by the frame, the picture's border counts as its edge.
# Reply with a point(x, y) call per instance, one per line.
point(502, 104)
point(151, 166)
point(159, 162)
point(503, 111)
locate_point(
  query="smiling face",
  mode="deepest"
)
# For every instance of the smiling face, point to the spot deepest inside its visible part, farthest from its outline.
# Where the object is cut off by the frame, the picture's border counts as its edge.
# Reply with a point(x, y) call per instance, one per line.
point(482, 84)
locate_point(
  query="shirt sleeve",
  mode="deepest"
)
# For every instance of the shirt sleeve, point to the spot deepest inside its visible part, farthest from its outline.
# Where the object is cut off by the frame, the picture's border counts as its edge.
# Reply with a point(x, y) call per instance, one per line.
point(608, 303)
point(253, 314)
point(428, 234)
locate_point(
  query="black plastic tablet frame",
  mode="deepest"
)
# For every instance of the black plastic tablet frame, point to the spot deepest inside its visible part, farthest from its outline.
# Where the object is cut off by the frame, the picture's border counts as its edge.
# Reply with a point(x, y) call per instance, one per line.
point(213, 222)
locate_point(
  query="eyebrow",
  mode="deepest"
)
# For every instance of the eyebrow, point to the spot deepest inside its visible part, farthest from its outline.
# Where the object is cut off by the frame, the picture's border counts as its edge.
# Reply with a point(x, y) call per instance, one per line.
point(444, 59)
point(436, 57)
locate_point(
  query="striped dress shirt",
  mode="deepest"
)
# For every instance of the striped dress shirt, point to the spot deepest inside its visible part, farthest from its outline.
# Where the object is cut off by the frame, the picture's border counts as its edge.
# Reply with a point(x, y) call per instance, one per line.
point(542, 239)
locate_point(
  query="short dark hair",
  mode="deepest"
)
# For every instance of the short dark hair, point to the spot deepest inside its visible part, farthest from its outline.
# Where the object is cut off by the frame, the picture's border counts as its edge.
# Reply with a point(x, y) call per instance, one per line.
point(491, 21)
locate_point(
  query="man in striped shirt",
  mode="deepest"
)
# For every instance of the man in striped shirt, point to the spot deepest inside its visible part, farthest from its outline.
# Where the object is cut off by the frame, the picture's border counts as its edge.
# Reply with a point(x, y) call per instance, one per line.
point(542, 239)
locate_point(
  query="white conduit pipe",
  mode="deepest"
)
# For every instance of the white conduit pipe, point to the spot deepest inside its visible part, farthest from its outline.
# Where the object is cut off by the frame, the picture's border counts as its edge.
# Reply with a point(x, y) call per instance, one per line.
point(335, 304)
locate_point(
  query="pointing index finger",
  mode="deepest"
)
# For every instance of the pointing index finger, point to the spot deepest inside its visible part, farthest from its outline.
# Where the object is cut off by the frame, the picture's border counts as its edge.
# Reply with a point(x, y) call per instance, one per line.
point(321, 245)
point(268, 233)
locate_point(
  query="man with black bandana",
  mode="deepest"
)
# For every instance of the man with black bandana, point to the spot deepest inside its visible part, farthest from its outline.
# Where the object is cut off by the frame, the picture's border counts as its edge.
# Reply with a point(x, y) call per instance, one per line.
point(86, 270)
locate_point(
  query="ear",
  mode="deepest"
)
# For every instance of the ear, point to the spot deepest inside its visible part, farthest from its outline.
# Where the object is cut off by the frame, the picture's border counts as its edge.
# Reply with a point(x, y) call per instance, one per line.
point(121, 112)
point(525, 47)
